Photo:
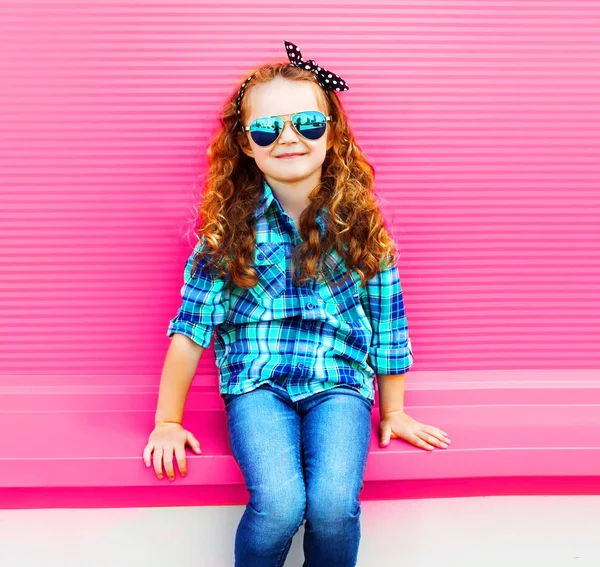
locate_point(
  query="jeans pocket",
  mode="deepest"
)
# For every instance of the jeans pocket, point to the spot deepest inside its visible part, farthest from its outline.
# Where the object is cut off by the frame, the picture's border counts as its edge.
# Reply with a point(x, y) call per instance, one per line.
point(270, 266)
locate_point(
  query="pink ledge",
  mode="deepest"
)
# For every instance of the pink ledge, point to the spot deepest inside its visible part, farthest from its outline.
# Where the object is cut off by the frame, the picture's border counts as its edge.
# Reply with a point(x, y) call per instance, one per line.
point(83, 446)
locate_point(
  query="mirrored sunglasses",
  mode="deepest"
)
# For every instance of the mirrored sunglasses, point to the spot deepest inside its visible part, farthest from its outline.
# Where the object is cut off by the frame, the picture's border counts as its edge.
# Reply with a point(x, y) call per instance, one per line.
point(311, 124)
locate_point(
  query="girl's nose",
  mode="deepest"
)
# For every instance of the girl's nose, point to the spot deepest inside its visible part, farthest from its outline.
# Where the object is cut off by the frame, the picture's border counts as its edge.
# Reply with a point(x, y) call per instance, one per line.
point(288, 132)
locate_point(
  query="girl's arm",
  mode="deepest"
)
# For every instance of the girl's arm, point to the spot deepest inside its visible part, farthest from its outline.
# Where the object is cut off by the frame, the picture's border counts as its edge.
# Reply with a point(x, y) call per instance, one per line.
point(391, 393)
point(178, 372)
point(204, 306)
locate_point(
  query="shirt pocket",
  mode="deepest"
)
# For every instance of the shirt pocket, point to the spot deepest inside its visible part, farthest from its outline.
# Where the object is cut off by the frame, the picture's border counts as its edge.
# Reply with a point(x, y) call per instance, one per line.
point(270, 265)
point(344, 295)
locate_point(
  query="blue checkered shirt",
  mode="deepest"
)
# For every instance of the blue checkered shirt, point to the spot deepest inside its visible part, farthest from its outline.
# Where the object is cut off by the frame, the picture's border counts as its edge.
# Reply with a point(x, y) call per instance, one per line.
point(302, 339)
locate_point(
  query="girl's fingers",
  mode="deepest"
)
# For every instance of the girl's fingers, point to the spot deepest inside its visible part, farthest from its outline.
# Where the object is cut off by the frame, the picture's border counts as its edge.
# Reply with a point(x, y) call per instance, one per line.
point(180, 456)
point(147, 454)
point(168, 462)
point(158, 453)
point(437, 433)
point(193, 442)
point(422, 443)
point(433, 440)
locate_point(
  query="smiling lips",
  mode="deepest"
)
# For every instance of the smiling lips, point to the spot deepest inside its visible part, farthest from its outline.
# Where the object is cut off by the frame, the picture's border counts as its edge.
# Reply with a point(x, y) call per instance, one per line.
point(290, 156)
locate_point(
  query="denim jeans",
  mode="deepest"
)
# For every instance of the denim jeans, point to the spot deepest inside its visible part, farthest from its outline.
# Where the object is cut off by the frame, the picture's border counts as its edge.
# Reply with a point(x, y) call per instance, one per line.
point(300, 460)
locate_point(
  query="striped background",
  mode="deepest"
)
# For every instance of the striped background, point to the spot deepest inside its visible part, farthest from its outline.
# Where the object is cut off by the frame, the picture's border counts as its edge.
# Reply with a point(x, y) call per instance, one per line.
point(481, 119)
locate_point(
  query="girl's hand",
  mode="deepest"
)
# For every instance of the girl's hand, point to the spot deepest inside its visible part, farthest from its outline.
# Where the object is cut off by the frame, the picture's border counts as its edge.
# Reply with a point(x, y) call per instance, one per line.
point(399, 425)
point(166, 438)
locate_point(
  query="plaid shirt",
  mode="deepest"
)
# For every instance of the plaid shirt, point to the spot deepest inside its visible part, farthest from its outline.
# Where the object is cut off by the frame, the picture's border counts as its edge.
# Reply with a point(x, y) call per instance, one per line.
point(301, 339)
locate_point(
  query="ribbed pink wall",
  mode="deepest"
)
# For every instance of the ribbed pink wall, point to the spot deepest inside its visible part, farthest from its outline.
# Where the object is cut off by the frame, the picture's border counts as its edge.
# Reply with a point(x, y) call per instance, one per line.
point(481, 118)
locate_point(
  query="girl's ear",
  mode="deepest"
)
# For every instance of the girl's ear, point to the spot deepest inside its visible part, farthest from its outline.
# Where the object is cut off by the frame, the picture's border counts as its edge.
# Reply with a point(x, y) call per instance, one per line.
point(247, 151)
point(246, 148)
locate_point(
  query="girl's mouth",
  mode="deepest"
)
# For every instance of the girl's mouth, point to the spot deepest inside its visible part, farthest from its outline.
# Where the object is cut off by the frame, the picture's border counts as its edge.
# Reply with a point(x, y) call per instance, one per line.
point(292, 156)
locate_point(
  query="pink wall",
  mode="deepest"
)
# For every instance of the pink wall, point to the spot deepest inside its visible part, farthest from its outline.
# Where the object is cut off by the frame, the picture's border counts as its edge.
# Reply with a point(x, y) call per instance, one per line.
point(481, 119)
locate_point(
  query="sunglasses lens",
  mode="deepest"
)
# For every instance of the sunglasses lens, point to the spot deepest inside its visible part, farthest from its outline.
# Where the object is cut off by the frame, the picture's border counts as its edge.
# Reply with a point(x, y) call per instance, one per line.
point(264, 131)
point(310, 124)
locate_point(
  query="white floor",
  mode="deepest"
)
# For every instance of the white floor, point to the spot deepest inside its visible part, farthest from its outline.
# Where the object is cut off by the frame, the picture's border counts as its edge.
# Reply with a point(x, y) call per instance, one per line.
point(528, 531)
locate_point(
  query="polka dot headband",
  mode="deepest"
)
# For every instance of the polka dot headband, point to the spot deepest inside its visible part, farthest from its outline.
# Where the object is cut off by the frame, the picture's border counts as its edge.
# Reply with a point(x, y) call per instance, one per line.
point(325, 78)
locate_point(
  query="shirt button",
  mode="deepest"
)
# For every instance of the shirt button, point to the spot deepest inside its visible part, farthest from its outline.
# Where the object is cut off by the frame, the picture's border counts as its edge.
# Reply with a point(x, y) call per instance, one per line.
point(310, 306)
point(300, 366)
point(261, 256)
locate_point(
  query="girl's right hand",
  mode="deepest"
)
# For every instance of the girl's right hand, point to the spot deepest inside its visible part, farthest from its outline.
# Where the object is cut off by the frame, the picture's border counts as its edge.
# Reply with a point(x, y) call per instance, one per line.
point(166, 438)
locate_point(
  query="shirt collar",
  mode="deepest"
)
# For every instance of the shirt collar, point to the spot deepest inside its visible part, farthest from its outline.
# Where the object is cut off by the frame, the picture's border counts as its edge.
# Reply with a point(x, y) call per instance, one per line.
point(267, 199)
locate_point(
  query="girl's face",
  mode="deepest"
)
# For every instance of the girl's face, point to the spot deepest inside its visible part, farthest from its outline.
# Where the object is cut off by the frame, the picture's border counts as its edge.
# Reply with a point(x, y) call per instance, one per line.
point(280, 97)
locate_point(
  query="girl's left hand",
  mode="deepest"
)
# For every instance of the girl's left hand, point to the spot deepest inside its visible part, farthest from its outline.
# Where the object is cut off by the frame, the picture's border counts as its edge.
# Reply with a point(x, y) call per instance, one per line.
point(399, 425)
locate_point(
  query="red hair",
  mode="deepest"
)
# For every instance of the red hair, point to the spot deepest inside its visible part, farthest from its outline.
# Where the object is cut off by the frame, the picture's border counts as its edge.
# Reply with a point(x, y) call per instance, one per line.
point(234, 184)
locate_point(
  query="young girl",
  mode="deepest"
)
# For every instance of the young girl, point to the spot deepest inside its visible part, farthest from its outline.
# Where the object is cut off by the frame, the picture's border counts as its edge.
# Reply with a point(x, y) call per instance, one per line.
point(296, 273)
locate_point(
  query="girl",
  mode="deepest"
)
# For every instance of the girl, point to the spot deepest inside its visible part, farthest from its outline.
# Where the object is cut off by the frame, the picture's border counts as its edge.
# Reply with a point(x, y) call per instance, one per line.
point(296, 273)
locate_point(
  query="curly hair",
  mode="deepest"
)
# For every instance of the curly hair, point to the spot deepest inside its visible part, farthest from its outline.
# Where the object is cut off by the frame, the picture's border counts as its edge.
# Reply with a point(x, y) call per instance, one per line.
point(354, 224)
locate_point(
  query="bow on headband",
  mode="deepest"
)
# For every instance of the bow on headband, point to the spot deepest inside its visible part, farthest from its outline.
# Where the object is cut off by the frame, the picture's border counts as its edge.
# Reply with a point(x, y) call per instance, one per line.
point(325, 78)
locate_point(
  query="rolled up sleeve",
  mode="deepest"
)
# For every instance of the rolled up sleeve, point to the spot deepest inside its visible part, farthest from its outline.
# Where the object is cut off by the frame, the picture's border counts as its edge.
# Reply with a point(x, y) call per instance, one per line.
point(390, 351)
point(204, 303)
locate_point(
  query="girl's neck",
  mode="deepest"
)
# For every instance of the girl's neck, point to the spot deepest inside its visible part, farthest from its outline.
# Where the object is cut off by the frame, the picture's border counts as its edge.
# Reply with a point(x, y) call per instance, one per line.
point(293, 196)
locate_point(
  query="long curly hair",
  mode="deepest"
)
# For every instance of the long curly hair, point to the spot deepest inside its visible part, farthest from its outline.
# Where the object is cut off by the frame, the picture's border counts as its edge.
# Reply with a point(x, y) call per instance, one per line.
point(234, 183)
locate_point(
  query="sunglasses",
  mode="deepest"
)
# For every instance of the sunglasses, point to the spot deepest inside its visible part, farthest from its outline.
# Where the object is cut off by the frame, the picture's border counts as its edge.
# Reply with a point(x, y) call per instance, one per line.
point(311, 124)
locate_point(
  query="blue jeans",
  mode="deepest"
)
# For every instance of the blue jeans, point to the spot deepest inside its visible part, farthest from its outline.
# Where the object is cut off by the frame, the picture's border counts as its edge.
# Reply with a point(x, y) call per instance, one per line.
point(300, 460)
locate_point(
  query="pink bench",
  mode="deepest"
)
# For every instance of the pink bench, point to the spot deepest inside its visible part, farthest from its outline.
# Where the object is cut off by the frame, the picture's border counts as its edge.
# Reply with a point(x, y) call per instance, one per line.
point(71, 443)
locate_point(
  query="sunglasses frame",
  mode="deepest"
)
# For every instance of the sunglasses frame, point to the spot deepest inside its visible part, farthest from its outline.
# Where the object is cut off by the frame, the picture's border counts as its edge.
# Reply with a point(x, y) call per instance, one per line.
point(285, 120)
